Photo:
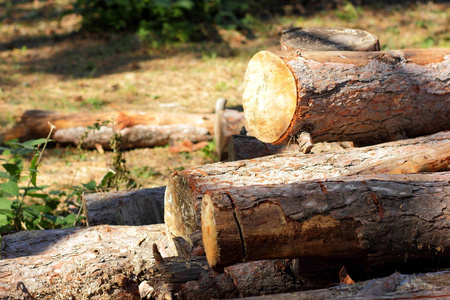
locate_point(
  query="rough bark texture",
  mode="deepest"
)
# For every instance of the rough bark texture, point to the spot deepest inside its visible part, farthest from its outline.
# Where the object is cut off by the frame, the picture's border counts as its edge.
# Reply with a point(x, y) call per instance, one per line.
point(397, 286)
point(186, 188)
point(364, 97)
point(102, 262)
point(248, 147)
point(138, 207)
point(114, 262)
point(138, 136)
point(228, 123)
point(328, 39)
point(372, 219)
point(33, 123)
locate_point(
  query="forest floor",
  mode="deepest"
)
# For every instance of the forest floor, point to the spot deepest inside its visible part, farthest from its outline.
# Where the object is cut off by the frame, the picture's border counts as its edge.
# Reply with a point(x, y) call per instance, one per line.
point(46, 64)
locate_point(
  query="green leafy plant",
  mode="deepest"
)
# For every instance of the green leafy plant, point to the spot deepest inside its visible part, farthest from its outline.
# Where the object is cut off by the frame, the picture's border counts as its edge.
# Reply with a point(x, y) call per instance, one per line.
point(23, 204)
point(118, 176)
point(163, 20)
point(348, 11)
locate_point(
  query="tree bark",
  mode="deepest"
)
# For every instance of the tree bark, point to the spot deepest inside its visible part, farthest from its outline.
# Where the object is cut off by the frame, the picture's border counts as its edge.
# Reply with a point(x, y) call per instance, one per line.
point(33, 123)
point(186, 188)
point(364, 97)
point(137, 129)
point(138, 207)
point(228, 123)
point(102, 262)
point(328, 39)
point(119, 262)
point(377, 220)
point(397, 286)
point(248, 147)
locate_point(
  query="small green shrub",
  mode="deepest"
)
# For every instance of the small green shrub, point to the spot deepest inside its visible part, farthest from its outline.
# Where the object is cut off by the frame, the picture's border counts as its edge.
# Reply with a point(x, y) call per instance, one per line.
point(163, 20)
point(23, 204)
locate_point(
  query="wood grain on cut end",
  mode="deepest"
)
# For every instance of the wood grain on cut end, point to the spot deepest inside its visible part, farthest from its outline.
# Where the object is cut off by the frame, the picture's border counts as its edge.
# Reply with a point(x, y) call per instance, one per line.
point(328, 39)
point(270, 96)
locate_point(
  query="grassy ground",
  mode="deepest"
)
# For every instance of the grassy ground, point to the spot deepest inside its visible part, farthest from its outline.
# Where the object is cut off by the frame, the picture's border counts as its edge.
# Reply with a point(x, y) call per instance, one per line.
point(45, 64)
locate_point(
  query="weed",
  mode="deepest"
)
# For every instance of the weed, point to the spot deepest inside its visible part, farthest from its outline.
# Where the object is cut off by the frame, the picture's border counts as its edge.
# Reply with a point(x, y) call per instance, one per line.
point(209, 151)
point(118, 175)
point(349, 12)
point(29, 207)
point(95, 102)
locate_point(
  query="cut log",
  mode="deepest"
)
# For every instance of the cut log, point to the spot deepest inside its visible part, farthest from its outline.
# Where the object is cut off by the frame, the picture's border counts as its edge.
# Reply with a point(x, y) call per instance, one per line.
point(138, 129)
point(186, 188)
point(102, 262)
point(138, 207)
point(328, 39)
point(248, 147)
point(397, 286)
point(33, 123)
point(118, 262)
point(372, 219)
point(228, 123)
point(364, 97)
point(138, 136)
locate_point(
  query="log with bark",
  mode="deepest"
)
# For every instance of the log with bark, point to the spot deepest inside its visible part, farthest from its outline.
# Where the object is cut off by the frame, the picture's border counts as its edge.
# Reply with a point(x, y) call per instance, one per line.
point(396, 286)
point(101, 262)
point(364, 97)
point(328, 39)
point(122, 262)
point(186, 188)
point(248, 147)
point(373, 221)
point(137, 129)
point(137, 207)
point(228, 122)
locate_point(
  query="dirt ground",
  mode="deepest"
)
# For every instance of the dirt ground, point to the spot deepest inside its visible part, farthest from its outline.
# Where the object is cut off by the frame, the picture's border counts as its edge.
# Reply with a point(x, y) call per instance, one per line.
point(46, 64)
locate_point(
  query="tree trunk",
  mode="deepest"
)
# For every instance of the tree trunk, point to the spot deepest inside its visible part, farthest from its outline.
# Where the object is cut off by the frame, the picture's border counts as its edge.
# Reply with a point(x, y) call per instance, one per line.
point(33, 123)
point(248, 147)
point(138, 207)
point(364, 97)
point(138, 136)
point(138, 129)
point(397, 286)
point(102, 262)
point(380, 220)
point(120, 262)
point(328, 39)
point(186, 188)
point(228, 122)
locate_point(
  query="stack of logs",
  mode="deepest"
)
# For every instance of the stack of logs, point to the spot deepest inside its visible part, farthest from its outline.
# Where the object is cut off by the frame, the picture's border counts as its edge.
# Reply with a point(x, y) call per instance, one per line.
point(312, 215)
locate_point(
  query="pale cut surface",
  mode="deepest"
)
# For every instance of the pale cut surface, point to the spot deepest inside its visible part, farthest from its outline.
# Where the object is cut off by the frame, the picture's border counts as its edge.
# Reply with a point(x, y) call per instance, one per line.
point(328, 39)
point(270, 96)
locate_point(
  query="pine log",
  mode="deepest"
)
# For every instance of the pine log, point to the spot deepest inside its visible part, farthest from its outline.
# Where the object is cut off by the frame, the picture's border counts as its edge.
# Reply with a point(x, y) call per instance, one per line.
point(328, 39)
point(102, 262)
point(33, 123)
point(119, 262)
point(397, 286)
point(364, 97)
point(228, 123)
point(182, 201)
point(137, 207)
point(138, 136)
point(137, 129)
point(374, 219)
point(248, 147)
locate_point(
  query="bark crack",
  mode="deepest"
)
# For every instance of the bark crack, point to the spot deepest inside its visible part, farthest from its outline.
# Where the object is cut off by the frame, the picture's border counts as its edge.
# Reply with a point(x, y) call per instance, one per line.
point(239, 227)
